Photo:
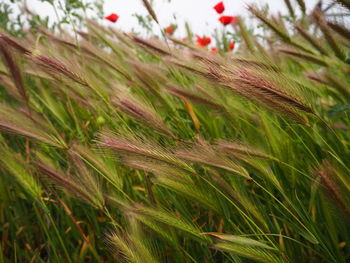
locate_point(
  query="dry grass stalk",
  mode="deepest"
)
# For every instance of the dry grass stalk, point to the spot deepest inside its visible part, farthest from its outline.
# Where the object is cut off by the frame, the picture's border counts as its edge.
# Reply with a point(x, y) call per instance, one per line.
point(92, 50)
point(12, 121)
point(340, 29)
point(333, 43)
point(152, 45)
point(135, 147)
point(122, 36)
point(150, 75)
point(275, 28)
point(53, 67)
point(334, 81)
point(15, 44)
point(240, 149)
point(192, 114)
point(317, 77)
point(302, 5)
point(278, 29)
point(207, 155)
point(64, 181)
point(312, 40)
point(86, 179)
point(256, 64)
point(290, 8)
point(270, 88)
point(150, 10)
point(67, 42)
point(261, 90)
point(155, 167)
point(181, 93)
point(188, 67)
point(14, 71)
point(75, 222)
point(245, 35)
point(139, 110)
point(302, 55)
point(183, 43)
point(328, 176)
point(10, 88)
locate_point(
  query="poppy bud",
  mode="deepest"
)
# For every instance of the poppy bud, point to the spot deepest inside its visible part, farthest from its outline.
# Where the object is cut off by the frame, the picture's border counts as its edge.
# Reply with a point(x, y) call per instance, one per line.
point(231, 45)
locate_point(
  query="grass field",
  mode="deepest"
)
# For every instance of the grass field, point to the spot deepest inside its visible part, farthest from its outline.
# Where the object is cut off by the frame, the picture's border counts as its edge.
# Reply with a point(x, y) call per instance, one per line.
point(116, 148)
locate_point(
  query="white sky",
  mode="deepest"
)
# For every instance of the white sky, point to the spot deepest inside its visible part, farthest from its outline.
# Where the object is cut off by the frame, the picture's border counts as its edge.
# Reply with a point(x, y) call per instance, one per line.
point(199, 13)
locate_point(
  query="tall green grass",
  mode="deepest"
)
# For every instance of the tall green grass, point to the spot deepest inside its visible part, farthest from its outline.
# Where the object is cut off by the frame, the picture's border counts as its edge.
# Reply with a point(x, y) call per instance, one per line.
point(116, 148)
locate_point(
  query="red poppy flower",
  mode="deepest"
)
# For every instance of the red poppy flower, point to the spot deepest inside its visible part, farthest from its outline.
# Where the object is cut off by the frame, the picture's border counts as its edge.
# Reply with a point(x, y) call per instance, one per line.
point(203, 41)
point(214, 50)
point(170, 29)
point(225, 20)
point(231, 45)
point(219, 8)
point(112, 17)
point(207, 40)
